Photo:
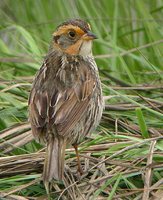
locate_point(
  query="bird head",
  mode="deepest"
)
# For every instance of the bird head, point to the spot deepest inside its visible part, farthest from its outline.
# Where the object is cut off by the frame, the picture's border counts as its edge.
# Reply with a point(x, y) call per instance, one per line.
point(74, 37)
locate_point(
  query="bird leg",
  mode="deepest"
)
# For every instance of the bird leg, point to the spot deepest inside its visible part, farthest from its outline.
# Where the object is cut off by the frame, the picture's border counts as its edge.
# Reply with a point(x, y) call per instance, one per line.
point(78, 159)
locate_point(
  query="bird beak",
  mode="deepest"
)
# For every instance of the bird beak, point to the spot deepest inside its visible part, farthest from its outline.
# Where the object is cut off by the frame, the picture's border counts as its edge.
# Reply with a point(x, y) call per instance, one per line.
point(89, 36)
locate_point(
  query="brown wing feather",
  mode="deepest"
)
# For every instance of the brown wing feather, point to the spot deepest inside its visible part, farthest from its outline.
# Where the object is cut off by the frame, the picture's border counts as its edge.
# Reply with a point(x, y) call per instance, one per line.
point(53, 105)
point(69, 114)
point(72, 109)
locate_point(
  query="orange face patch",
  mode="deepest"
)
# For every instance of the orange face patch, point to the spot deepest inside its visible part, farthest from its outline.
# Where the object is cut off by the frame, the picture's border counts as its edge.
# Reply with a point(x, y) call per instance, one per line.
point(64, 29)
point(74, 49)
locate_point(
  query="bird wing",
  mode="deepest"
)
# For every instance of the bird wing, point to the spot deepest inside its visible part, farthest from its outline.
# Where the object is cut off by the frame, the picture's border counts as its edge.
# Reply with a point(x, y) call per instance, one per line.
point(58, 107)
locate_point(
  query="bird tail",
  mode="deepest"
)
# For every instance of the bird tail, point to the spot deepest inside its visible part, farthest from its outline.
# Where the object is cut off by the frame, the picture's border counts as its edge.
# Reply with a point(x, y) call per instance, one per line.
point(54, 161)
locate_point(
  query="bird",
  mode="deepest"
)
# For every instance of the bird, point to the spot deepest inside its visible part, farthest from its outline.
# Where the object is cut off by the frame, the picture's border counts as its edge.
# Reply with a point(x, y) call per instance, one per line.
point(65, 101)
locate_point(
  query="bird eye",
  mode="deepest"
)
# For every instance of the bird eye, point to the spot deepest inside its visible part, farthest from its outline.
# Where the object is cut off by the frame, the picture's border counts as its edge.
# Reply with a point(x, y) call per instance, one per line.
point(72, 34)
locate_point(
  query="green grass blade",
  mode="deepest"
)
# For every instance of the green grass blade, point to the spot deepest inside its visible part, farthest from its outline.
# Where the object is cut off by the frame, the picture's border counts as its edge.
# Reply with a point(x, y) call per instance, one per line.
point(142, 124)
point(111, 195)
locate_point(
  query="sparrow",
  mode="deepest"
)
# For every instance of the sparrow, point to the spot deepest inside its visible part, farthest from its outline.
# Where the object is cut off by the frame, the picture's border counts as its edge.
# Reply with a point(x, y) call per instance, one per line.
point(65, 102)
